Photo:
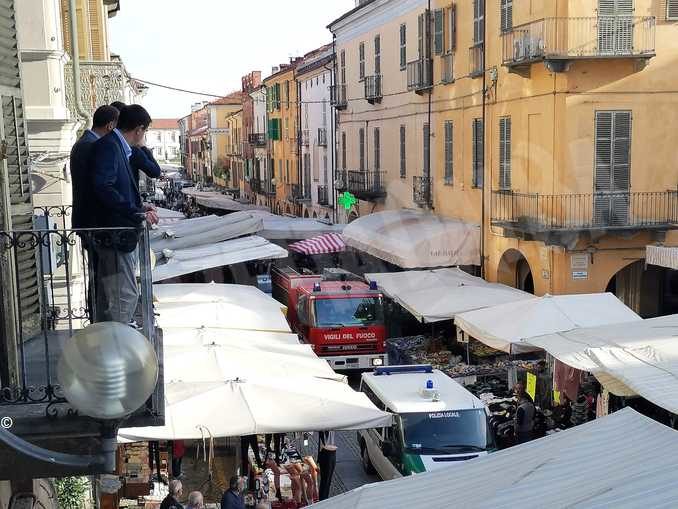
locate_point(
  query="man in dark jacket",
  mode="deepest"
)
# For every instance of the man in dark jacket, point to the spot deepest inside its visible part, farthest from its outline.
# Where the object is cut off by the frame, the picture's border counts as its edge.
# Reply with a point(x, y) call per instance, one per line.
point(103, 122)
point(232, 499)
point(118, 204)
point(525, 413)
point(142, 158)
point(171, 501)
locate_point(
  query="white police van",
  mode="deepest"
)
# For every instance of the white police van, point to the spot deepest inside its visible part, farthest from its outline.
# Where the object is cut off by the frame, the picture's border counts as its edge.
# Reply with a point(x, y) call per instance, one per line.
point(437, 422)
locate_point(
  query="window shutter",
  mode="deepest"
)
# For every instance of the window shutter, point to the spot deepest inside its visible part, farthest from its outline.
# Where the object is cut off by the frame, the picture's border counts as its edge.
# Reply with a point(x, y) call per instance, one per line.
point(403, 160)
point(420, 36)
point(361, 58)
point(96, 34)
point(377, 55)
point(672, 9)
point(452, 28)
point(438, 35)
point(427, 149)
point(478, 152)
point(449, 133)
point(361, 147)
point(505, 153)
point(23, 270)
point(603, 149)
point(377, 150)
point(403, 46)
point(65, 28)
point(343, 150)
point(506, 15)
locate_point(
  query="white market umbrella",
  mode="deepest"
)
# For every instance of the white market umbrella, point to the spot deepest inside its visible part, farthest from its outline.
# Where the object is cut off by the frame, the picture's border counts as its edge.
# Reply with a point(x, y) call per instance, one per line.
point(509, 327)
point(213, 362)
point(284, 342)
point(259, 405)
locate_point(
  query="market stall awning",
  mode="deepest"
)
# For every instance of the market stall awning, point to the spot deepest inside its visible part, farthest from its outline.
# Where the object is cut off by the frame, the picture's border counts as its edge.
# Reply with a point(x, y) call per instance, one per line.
point(634, 358)
point(662, 256)
point(413, 239)
point(498, 327)
point(187, 261)
point(189, 233)
point(245, 339)
point(216, 200)
point(436, 295)
point(622, 460)
point(322, 244)
point(260, 404)
point(167, 216)
point(293, 228)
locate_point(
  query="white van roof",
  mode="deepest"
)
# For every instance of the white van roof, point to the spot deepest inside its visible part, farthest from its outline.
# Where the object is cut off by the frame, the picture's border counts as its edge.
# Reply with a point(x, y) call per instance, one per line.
point(400, 388)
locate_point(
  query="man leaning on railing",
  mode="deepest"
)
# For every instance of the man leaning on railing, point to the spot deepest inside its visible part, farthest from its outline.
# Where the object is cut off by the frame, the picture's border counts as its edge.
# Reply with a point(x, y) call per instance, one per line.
point(117, 204)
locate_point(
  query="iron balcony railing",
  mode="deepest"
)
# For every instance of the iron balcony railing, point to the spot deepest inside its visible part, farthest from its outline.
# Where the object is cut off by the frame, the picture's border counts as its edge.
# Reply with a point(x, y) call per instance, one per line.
point(476, 56)
point(338, 96)
point(448, 68)
point(300, 192)
point(257, 139)
point(67, 302)
point(534, 213)
point(420, 75)
point(421, 191)
point(373, 91)
point(366, 185)
point(571, 38)
point(322, 137)
point(323, 196)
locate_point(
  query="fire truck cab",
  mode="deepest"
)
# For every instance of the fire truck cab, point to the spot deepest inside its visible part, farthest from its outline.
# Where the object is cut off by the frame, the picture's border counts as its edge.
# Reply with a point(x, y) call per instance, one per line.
point(342, 318)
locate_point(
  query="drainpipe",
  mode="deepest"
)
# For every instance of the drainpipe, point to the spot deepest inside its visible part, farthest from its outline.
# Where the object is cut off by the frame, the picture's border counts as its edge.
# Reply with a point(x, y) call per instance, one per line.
point(483, 183)
point(334, 122)
point(427, 173)
point(75, 55)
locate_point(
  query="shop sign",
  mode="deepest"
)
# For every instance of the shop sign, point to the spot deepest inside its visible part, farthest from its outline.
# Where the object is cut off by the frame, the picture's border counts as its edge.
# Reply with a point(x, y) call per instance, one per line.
point(579, 261)
point(531, 387)
point(580, 274)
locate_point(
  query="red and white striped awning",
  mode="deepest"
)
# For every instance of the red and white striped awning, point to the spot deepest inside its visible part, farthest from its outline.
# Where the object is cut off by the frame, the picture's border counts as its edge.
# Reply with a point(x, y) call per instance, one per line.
point(322, 244)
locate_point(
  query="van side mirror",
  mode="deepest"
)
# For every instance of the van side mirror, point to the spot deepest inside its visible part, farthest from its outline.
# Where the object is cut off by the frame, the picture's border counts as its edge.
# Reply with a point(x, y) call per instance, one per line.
point(387, 448)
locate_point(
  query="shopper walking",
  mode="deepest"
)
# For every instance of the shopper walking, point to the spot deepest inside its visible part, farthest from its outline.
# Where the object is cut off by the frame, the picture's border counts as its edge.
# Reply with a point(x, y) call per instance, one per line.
point(327, 461)
point(171, 501)
point(525, 413)
point(178, 452)
point(117, 204)
point(232, 497)
point(247, 441)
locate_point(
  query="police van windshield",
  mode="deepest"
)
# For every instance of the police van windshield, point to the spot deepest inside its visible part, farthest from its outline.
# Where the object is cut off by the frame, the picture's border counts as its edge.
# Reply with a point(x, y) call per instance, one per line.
point(447, 432)
point(348, 312)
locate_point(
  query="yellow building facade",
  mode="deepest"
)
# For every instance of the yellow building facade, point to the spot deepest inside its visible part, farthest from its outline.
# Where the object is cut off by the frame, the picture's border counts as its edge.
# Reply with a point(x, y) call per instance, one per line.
point(283, 138)
point(571, 172)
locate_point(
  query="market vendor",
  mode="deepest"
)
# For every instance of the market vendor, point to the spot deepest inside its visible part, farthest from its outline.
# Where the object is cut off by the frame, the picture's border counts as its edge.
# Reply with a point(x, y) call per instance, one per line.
point(525, 414)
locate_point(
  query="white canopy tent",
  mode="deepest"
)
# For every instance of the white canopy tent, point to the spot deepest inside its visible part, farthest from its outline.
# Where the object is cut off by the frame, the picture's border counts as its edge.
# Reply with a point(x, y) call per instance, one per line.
point(293, 228)
point(634, 358)
point(662, 256)
point(441, 294)
point(183, 227)
point(414, 239)
point(622, 460)
point(259, 404)
point(186, 261)
point(213, 292)
point(509, 327)
point(216, 200)
point(203, 233)
point(245, 339)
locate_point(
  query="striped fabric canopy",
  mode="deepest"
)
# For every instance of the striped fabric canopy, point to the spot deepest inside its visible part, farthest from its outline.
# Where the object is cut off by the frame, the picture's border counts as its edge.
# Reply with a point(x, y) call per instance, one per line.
point(322, 244)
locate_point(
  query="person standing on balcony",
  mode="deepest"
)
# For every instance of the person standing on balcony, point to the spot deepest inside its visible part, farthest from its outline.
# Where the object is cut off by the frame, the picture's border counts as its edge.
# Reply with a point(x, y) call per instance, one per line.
point(117, 204)
point(142, 158)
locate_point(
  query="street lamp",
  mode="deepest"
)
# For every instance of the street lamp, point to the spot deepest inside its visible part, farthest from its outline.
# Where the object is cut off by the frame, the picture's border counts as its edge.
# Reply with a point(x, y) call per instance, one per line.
point(107, 371)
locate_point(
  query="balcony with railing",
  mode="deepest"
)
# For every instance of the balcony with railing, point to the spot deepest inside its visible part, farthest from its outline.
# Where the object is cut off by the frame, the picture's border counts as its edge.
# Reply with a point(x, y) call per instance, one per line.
point(373, 92)
point(300, 193)
point(560, 40)
point(322, 137)
point(366, 185)
point(545, 216)
point(39, 322)
point(338, 96)
point(447, 62)
point(257, 139)
point(476, 58)
point(323, 196)
point(420, 75)
point(421, 191)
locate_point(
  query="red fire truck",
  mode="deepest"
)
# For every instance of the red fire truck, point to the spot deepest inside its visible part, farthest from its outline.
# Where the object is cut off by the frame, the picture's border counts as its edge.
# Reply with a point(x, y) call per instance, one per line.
point(336, 313)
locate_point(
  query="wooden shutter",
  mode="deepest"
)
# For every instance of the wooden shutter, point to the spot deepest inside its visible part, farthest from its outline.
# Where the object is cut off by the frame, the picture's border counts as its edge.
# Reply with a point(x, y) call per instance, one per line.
point(478, 147)
point(505, 153)
point(403, 152)
point(452, 28)
point(426, 141)
point(377, 150)
point(65, 27)
point(403, 46)
point(506, 15)
point(420, 36)
point(672, 9)
point(361, 59)
point(449, 137)
point(19, 281)
point(343, 150)
point(438, 31)
point(96, 32)
point(361, 148)
point(377, 55)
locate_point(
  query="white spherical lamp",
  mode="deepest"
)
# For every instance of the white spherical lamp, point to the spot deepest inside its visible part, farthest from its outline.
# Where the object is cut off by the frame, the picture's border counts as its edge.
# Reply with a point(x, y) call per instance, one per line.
point(108, 370)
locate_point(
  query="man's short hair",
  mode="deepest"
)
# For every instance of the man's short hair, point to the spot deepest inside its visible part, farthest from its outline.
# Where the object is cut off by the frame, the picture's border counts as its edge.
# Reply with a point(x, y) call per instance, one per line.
point(133, 116)
point(233, 483)
point(175, 486)
point(104, 115)
point(118, 105)
point(195, 499)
